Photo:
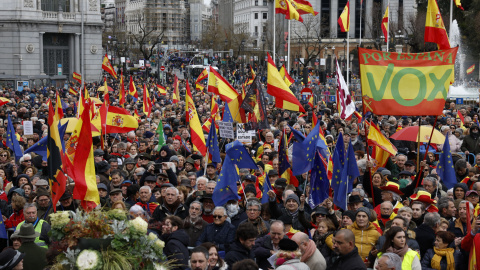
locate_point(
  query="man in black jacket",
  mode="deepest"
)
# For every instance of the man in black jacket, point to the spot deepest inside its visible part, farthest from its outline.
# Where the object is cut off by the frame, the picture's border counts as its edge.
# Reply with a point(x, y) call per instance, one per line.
point(348, 257)
point(241, 249)
point(425, 232)
point(267, 245)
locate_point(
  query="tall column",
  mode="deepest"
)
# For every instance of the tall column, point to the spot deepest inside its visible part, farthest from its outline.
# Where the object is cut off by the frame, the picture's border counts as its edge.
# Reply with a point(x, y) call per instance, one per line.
point(40, 52)
point(351, 32)
point(77, 53)
point(333, 18)
point(368, 19)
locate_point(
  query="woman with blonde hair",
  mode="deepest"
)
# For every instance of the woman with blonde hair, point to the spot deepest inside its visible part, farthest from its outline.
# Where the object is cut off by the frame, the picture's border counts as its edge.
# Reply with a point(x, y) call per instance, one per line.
point(288, 256)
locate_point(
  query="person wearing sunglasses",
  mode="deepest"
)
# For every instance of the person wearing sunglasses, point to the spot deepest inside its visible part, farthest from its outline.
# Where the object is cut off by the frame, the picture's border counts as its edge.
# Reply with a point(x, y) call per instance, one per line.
point(220, 232)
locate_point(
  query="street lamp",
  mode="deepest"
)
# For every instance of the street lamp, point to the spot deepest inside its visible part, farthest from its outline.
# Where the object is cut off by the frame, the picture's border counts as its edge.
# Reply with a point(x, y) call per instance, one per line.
point(319, 51)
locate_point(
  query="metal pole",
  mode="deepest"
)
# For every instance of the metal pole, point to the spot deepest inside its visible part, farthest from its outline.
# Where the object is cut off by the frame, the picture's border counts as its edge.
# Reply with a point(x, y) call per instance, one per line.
point(288, 49)
point(347, 57)
point(82, 52)
point(388, 23)
point(273, 56)
point(451, 18)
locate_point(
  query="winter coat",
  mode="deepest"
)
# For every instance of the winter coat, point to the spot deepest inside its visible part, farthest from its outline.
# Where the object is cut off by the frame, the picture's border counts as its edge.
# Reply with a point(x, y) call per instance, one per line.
point(425, 238)
point(176, 247)
point(238, 218)
point(236, 253)
point(293, 264)
point(35, 256)
point(350, 261)
point(471, 145)
point(427, 260)
point(261, 249)
point(44, 212)
point(14, 219)
point(365, 239)
point(161, 212)
point(277, 212)
point(316, 261)
point(219, 235)
point(194, 230)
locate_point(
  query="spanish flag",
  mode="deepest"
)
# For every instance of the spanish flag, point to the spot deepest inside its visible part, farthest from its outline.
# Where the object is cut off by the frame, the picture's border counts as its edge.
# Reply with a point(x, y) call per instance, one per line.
point(77, 77)
point(458, 4)
point(133, 89)
point(284, 98)
point(434, 28)
point(304, 7)
point(137, 116)
point(471, 69)
point(286, 77)
point(85, 188)
point(201, 77)
point(161, 90)
point(286, 7)
point(385, 24)
point(108, 67)
point(375, 137)
point(121, 98)
point(176, 91)
point(117, 120)
point(310, 102)
point(220, 86)
point(55, 157)
point(196, 132)
point(147, 102)
point(58, 107)
point(344, 20)
point(72, 91)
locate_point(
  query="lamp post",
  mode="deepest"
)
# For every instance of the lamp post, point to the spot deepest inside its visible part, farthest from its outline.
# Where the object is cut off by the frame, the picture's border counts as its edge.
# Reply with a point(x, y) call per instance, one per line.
point(319, 51)
point(263, 50)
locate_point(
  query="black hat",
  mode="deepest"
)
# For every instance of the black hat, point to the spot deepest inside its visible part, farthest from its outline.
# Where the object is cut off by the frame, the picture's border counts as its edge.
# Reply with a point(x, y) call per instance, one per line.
point(166, 185)
point(354, 199)
point(190, 160)
point(205, 197)
point(196, 156)
point(287, 245)
point(129, 161)
point(115, 190)
point(350, 214)
point(405, 173)
point(145, 156)
point(286, 219)
point(409, 163)
point(250, 178)
point(98, 152)
point(250, 188)
point(9, 258)
point(321, 211)
point(102, 166)
point(150, 178)
point(66, 195)
point(185, 183)
point(281, 182)
point(102, 186)
point(272, 172)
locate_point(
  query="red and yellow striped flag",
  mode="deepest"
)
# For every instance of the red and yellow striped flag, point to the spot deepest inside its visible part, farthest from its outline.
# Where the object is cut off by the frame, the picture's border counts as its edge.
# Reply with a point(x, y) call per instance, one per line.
point(196, 132)
point(77, 77)
point(435, 28)
point(58, 107)
point(286, 77)
point(176, 91)
point(458, 4)
point(121, 98)
point(471, 69)
point(85, 188)
point(108, 67)
point(133, 89)
point(284, 98)
point(385, 24)
point(147, 102)
point(72, 91)
point(285, 7)
point(344, 19)
point(310, 101)
point(304, 7)
point(161, 90)
point(201, 77)
point(220, 86)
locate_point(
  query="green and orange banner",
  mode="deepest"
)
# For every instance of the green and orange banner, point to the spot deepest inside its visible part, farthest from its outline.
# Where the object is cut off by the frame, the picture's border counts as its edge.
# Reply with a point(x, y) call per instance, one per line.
point(406, 83)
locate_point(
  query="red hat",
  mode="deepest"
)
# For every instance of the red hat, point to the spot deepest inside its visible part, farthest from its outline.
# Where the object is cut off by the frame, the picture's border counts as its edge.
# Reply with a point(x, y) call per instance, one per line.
point(423, 196)
point(392, 186)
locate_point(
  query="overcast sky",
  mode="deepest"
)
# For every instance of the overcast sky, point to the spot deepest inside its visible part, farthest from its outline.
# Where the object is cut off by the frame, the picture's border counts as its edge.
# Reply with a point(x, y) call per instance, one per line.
point(207, 2)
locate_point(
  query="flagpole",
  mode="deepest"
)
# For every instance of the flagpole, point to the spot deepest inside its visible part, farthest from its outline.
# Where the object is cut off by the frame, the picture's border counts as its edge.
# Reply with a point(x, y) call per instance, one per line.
point(206, 160)
point(274, 31)
point(347, 55)
point(288, 49)
point(451, 18)
point(388, 23)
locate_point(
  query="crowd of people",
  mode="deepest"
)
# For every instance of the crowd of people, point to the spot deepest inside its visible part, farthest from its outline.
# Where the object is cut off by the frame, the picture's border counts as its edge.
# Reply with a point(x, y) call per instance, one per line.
point(400, 216)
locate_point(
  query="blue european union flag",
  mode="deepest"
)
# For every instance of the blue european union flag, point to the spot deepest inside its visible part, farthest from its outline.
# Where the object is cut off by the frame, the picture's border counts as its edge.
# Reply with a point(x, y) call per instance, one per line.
point(304, 152)
point(239, 156)
point(338, 162)
point(266, 187)
point(226, 188)
point(212, 145)
point(319, 183)
point(445, 167)
point(3, 231)
point(348, 175)
point(12, 141)
point(283, 163)
point(227, 115)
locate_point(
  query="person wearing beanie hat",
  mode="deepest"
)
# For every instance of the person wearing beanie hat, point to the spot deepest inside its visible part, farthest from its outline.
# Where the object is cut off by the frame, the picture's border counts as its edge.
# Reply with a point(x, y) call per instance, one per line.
point(348, 217)
point(288, 256)
point(365, 232)
point(293, 206)
point(44, 205)
point(11, 259)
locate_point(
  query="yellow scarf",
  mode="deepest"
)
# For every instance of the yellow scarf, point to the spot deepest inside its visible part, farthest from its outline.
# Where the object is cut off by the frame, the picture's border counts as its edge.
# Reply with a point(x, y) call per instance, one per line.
point(444, 252)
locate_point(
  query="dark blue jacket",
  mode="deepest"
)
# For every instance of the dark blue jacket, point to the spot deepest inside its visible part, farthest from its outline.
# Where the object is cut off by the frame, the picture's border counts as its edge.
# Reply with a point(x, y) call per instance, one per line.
point(219, 235)
point(236, 253)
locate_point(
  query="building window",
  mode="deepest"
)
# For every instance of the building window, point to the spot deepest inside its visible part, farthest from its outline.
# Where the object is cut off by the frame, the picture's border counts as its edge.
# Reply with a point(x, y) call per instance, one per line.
point(256, 16)
point(265, 2)
point(264, 15)
point(256, 2)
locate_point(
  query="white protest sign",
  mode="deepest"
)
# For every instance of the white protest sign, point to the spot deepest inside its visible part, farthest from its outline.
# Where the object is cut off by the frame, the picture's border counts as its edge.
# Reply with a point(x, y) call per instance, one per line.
point(226, 130)
point(244, 136)
point(27, 128)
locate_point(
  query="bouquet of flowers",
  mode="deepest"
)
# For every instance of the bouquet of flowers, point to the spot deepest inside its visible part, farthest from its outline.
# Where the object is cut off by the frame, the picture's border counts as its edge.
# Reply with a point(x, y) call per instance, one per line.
point(127, 247)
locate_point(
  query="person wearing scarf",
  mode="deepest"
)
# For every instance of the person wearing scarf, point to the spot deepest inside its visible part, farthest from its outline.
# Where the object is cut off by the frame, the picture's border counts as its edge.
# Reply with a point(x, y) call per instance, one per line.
point(311, 256)
point(396, 242)
point(442, 257)
point(288, 256)
point(253, 209)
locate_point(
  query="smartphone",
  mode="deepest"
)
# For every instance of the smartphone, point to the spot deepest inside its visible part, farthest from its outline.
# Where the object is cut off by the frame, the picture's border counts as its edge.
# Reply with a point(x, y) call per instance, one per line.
point(157, 168)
